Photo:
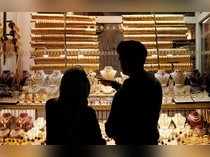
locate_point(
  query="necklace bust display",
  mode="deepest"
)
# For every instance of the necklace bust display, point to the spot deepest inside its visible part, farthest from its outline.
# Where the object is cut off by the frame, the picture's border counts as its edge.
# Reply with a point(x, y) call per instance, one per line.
point(55, 77)
point(178, 77)
point(108, 73)
point(92, 77)
point(38, 77)
point(195, 120)
point(179, 120)
point(164, 121)
point(124, 77)
point(163, 77)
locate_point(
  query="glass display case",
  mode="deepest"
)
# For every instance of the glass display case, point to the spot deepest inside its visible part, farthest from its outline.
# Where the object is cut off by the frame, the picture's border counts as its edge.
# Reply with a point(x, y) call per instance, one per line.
point(62, 40)
point(206, 45)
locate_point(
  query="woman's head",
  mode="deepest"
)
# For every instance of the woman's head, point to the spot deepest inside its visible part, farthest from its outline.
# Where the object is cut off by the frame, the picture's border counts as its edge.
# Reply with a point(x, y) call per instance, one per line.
point(75, 86)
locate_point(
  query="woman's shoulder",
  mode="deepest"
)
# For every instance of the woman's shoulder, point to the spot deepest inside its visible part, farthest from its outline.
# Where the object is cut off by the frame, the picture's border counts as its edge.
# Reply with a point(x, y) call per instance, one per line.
point(89, 111)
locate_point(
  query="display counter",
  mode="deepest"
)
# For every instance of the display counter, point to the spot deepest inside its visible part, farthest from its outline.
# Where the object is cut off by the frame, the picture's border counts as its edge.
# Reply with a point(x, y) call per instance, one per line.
point(105, 109)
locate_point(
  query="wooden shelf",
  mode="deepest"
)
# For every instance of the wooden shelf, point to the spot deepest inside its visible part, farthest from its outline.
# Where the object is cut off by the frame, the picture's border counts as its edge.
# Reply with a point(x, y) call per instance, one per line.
point(137, 17)
point(165, 28)
point(70, 59)
point(87, 67)
point(174, 17)
point(168, 67)
point(152, 23)
point(171, 51)
point(57, 45)
point(48, 39)
point(191, 106)
point(40, 109)
point(70, 52)
point(160, 30)
point(161, 37)
point(60, 23)
point(38, 16)
point(60, 37)
point(138, 23)
point(169, 59)
point(81, 31)
point(162, 44)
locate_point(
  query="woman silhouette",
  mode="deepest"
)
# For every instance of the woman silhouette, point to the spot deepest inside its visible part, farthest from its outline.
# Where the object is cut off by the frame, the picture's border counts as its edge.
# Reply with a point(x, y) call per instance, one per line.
point(69, 118)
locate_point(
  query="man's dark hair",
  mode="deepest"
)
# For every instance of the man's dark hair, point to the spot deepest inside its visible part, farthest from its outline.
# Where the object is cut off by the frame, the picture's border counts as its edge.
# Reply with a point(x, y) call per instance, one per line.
point(132, 51)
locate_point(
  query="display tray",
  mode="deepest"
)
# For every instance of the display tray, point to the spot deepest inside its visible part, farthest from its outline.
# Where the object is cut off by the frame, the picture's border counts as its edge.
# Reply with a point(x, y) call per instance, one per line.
point(206, 99)
point(190, 99)
point(181, 100)
point(8, 101)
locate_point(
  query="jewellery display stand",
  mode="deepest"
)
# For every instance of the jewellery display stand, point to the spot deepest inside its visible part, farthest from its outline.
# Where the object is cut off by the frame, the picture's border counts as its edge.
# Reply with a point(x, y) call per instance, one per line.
point(158, 32)
point(64, 38)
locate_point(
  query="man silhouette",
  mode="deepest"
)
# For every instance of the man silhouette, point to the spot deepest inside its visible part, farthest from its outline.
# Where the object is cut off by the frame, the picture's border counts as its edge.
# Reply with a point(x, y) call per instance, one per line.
point(136, 105)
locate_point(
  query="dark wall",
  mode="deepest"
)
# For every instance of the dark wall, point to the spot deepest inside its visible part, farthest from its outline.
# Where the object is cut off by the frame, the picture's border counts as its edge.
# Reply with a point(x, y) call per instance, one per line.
point(109, 36)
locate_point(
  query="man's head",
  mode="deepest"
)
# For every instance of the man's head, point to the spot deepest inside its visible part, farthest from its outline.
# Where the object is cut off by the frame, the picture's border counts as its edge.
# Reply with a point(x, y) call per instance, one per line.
point(132, 56)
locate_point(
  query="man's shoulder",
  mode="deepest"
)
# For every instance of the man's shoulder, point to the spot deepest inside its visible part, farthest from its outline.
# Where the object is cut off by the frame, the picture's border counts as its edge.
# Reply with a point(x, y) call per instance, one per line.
point(151, 77)
point(51, 102)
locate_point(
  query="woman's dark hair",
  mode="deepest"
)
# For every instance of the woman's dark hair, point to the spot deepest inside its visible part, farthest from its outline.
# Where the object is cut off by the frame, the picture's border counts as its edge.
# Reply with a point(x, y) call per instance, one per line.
point(75, 86)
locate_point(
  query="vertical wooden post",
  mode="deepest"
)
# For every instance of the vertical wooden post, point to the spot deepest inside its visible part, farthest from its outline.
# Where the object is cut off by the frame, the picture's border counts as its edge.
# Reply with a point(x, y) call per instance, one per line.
point(65, 47)
point(156, 41)
point(4, 24)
